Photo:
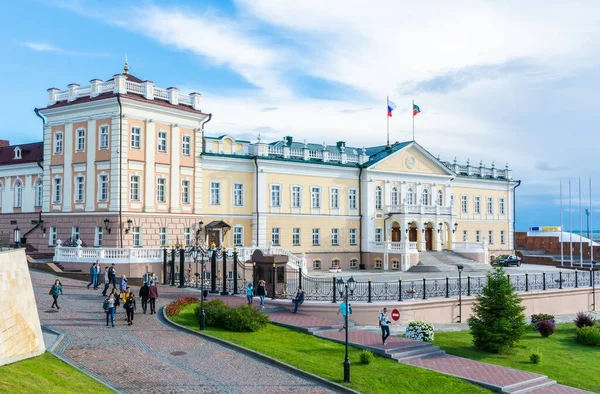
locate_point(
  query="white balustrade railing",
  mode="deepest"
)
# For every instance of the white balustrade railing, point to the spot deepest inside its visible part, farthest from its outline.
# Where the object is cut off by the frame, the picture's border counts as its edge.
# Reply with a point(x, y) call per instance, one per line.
point(335, 156)
point(107, 87)
point(62, 96)
point(296, 152)
point(315, 154)
point(86, 91)
point(134, 87)
point(352, 158)
point(429, 209)
point(394, 247)
point(161, 93)
point(275, 150)
point(470, 246)
point(184, 99)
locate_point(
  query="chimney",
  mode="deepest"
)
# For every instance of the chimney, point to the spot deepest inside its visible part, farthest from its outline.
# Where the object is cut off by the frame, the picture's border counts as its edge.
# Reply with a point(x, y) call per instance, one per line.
point(341, 144)
point(288, 140)
point(4, 143)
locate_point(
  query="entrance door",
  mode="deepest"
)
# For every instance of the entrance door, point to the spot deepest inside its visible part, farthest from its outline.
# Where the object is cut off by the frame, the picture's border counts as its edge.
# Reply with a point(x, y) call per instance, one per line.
point(396, 234)
point(412, 235)
point(429, 239)
point(213, 236)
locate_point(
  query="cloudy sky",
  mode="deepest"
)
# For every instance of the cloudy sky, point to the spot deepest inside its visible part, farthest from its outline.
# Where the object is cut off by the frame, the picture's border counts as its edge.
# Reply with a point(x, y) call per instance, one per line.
point(514, 82)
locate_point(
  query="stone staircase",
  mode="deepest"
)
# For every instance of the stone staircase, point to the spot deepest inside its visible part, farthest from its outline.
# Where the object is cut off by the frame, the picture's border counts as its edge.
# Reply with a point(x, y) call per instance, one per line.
point(431, 261)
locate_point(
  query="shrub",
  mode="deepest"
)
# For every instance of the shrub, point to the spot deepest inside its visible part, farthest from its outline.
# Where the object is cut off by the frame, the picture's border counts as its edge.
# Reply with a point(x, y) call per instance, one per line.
point(584, 320)
point(216, 313)
point(589, 336)
point(419, 331)
point(546, 327)
point(541, 316)
point(241, 319)
point(498, 322)
point(175, 307)
point(366, 356)
point(535, 358)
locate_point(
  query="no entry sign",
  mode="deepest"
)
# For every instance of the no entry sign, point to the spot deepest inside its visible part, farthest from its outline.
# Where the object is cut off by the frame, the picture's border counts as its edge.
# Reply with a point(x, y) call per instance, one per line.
point(396, 314)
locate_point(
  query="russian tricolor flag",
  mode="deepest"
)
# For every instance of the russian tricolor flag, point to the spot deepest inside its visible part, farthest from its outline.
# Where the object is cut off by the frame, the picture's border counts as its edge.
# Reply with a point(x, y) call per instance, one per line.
point(391, 106)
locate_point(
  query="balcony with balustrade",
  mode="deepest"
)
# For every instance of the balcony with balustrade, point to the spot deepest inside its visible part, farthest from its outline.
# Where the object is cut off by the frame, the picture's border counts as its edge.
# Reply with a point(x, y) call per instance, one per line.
point(419, 209)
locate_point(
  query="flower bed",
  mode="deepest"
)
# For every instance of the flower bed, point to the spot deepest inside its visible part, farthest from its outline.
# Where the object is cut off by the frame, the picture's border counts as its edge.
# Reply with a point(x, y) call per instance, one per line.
point(419, 331)
point(175, 307)
point(535, 319)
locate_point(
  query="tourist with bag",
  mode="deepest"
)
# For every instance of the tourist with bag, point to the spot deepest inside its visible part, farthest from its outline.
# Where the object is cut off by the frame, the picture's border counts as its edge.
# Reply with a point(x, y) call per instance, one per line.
point(112, 275)
point(384, 325)
point(261, 291)
point(123, 283)
point(345, 311)
point(152, 296)
point(93, 276)
point(144, 296)
point(106, 276)
point(250, 293)
point(109, 308)
point(298, 299)
point(54, 291)
point(129, 305)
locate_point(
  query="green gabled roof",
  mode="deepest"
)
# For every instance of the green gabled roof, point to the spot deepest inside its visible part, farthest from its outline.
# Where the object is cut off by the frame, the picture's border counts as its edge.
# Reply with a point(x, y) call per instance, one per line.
point(378, 153)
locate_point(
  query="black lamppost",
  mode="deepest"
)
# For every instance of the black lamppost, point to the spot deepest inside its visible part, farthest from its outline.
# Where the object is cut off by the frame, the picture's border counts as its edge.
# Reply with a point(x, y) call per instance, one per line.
point(225, 255)
point(17, 237)
point(214, 252)
point(343, 289)
point(199, 250)
point(460, 268)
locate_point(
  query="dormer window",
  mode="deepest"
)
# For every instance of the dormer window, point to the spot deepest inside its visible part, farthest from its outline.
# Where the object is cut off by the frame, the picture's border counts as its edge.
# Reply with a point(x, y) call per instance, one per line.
point(18, 153)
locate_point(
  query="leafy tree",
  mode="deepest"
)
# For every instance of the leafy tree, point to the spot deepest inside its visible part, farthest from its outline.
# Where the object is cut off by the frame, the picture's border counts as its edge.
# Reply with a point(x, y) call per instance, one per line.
point(498, 322)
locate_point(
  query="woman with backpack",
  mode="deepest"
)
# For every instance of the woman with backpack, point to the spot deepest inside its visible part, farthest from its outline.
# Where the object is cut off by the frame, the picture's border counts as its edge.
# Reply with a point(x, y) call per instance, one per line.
point(384, 324)
point(54, 291)
point(109, 308)
point(129, 305)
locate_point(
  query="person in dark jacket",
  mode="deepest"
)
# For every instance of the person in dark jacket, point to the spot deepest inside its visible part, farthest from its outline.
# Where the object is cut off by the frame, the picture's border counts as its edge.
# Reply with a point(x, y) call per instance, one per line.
point(112, 275)
point(152, 296)
point(54, 291)
point(110, 311)
point(129, 305)
point(261, 292)
point(93, 276)
point(144, 296)
point(105, 276)
point(299, 299)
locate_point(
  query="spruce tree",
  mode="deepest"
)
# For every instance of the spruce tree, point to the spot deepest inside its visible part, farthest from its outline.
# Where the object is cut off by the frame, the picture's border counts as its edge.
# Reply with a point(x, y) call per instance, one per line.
point(498, 322)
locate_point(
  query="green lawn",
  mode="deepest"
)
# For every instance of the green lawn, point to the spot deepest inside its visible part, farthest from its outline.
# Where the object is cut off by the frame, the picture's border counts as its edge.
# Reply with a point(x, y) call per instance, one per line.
point(46, 374)
point(563, 359)
point(325, 358)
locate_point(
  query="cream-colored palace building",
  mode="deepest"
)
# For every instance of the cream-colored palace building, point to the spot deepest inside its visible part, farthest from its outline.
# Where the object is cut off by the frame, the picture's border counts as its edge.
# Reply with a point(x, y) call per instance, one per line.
point(125, 164)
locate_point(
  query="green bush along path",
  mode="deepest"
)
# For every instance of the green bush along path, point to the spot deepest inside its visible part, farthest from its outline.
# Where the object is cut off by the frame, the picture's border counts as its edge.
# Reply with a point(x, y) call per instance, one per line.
point(325, 358)
point(46, 374)
point(563, 358)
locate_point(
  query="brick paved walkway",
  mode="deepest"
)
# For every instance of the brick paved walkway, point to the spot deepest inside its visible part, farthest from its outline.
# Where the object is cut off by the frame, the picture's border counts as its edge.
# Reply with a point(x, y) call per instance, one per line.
point(143, 358)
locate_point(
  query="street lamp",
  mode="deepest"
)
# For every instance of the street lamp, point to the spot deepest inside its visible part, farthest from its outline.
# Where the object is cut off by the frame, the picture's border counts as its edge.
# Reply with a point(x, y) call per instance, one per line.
point(349, 285)
point(460, 268)
point(455, 227)
point(106, 222)
point(17, 237)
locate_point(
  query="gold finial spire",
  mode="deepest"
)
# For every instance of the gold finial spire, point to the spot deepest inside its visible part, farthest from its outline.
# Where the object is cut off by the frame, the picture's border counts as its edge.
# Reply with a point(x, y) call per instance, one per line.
point(126, 68)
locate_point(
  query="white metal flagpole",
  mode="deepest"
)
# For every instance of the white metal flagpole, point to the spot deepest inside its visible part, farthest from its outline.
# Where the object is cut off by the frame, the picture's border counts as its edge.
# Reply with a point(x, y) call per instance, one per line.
point(412, 113)
point(591, 227)
point(570, 226)
point(580, 228)
point(387, 115)
point(562, 256)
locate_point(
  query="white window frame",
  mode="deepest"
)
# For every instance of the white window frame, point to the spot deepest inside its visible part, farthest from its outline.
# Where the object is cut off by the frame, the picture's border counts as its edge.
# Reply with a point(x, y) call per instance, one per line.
point(353, 199)
point(394, 196)
point(378, 234)
point(465, 235)
point(57, 190)
point(136, 137)
point(58, 143)
point(185, 191)
point(39, 193)
point(276, 236)
point(186, 142)
point(18, 194)
point(464, 203)
point(53, 236)
point(161, 141)
point(134, 187)
point(80, 141)
point(316, 264)
point(490, 236)
point(164, 236)
point(275, 195)
point(238, 195)
point(410, 196)
point(75, 233)
point(335, 237)
point(161, 190)
point(103, 194)
point(353, 264)
point(502, 239)
point(187, 236)
point(334, 198)
point(378, 264)
point(315, 191)
point(378, 197)
point(501, 206)
point(353, 233)
point(477, 205)
point(99, 237)
point(296, 196)
point(215, 193)
point(79, 188)
point(238, 235)
point(395, 264)
point(489, 205)
point(477, 236)
point(104, 137)
point(425, 197)
point(440, 198)
point(296, 236)
point(137, 237)
point(316, 236)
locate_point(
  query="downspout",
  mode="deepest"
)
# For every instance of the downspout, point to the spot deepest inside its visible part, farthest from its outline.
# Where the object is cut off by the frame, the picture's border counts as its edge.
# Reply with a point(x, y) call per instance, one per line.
point(256, 199)
point(37, 112)
point(360, 216)
point(120, 168)
point(515, 211)
point(202, 128)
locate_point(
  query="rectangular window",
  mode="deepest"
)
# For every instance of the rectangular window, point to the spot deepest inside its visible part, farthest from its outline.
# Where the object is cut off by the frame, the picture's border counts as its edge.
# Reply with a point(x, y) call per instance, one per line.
point(378, 264)
point(464, 204)
point(378, 234)
point(275, 235)
point(491, 237)
point(316, 237)
point(238, 194)
point(80, 140)
point(490, 205)
point(185, 145)
point(352, 236)
point(160, 190)
point(502, 241)
point(53, 236)
point(296, 197)
point(477, 236)
point(465, 235)
point(238, 236)
point(296, 236)
point(134, 188)
point(57, 190)
point(452, 200)
point(334, 237)
point(501, 208)
point(276, 196)
point(185, 192)
point(135, 137)
point(164, 236)
point(103, 137)
point(316, 264)
point(58, 144)
point(39, 194)
point(215, 193)
point(477, 206)
point(99, 237)
point(354, 264)
point(75, 233)
point(162, 141)
point(352, 199)
point(187, 236)
point(379, 197)
point(315, 196)
point(137, 237)
point(334, 198)
point(103, 188)
point(79, 188)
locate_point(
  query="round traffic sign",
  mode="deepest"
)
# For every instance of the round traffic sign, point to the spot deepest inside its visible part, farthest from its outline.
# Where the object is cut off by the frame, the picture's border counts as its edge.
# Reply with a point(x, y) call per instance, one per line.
point(396, 314)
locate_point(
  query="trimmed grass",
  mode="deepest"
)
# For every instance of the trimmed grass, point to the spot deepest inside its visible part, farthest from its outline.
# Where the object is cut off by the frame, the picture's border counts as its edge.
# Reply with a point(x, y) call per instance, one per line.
point(46, 374)
point(325, 358)
point(563, 358)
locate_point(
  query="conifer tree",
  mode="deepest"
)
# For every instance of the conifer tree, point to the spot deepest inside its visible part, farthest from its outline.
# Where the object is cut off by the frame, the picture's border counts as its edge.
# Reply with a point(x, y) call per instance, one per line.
point(498, 322)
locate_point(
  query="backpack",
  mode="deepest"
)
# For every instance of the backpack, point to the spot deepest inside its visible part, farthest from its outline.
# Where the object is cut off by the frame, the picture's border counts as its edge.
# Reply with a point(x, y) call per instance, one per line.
point(105, 304)
point(111, 271)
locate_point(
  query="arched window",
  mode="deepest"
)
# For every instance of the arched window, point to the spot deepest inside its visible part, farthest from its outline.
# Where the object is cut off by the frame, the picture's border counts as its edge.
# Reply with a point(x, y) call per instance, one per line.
point(18, 194)
point(395, 264)
point(39, 190)
point(354, 263)
point(440, 198)
point(378, 202)
point(378, 264)
point(425, 197)
point(335, 262)
point(394, 196)
point(317, 264)
point(410, 197)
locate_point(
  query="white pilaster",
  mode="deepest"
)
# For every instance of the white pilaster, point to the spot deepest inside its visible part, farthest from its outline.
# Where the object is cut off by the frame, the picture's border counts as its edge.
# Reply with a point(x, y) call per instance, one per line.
point(438, 236)
point(198, 175)
point(175, 195)
point(260, 206)
point(68, 167)
point(150, 166)
point(90, 178)
point(423, 245)
point(387, 190)
point(47, 189)
point(368, 207)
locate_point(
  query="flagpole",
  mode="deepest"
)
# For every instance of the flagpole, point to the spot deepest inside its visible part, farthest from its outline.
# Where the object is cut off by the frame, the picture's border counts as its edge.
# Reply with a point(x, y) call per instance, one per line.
point(570, 226)
point(412, 111)
point(580, 228)
point(562, 257)
point(591, 228)
point(387, 115)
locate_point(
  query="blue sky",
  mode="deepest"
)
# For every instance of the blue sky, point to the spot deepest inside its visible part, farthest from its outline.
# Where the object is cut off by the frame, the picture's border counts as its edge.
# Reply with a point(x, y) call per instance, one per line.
point(512, 83)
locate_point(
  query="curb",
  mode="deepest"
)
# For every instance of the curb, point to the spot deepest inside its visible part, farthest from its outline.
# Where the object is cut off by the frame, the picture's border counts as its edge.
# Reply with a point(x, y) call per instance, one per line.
point(324, 382)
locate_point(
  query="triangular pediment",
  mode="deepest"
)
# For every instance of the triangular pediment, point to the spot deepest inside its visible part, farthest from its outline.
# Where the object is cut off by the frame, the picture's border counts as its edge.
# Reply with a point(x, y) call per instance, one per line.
point(412, 159)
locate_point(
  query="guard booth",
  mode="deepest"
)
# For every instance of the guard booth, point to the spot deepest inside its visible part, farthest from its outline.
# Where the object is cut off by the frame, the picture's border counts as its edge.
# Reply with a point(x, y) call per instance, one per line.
point(272, 268)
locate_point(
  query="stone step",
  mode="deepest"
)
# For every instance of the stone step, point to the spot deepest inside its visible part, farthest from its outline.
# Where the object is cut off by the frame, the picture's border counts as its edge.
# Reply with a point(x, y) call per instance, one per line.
point(528, 386)
point(426, 352)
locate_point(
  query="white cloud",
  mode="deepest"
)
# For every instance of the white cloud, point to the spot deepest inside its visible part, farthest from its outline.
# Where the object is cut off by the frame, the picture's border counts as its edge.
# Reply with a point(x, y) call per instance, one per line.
point(46, 47)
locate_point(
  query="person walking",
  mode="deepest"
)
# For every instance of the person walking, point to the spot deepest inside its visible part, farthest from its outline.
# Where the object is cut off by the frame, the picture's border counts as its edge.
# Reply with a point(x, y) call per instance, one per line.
point(93, 276)
point(109, 308)
point(98, 276)
point(384, 324)
point(153, 278)
point(105, 277)
point(250, 293)
point(112, 275)
point(129, 305)
point(54, 291)
point(116, 297)
point(298, 299)
point(261, 291)
point(152, 296)
point(346, 311)
point(123, 283)
point(144, 296)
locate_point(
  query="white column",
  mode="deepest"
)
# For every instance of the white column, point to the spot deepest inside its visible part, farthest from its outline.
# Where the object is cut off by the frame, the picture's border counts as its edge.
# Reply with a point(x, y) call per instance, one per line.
point(453, 237)
point(387, 190)
point(68, 167)
point(90, 177)
point(115, 164)
point(260, 206)
point(423, 245)
point(438, 236)
point(150, 166)
point(368, 207)
point(175, 197)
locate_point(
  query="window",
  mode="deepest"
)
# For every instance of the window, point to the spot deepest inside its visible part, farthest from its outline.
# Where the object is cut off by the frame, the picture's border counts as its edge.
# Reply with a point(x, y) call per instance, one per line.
point(477, 206)
point(440, 198)
point(334, 236)
point(352, 236)
point(477, 236)
point(18, 194)
point(394, 196)
point(135, 137)
point(296, 196)
point(103, 137)
point(98, 237)
point(215, 193)
point(316, 237)
point(57, 190)
point(39, 193)
point(79, 188)
point(276, 196)
point(491, 236)
point(185, 192)
point(425, 197)
point(53, 236)
point(395, 264)
point(80, 140)
point(75, 233)
point(334, 198)
point(353, 264)
point(238, 236)
point(464, 207)
point(160, 190)
point(501, 208)
point(164, 236)
point(410, 196)
point(137, 237)
point(315, 196)
point(18, 153)
point(103, 188)
point(316, 264)
point(378, 234)
point(490, 205)
point(296, 236)
point(452, 197)
point(352, 199)
point(275, 235)
point(134, 188)
point(187, 236)
point(185, 145)
point(162, 141)
point(502, 240)
point(465, 235)
point(238, 194)
point(378, 264)
point(58, 144)
point(378, 197)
